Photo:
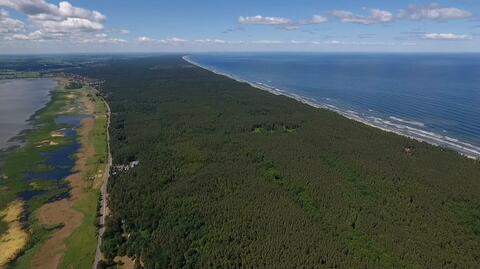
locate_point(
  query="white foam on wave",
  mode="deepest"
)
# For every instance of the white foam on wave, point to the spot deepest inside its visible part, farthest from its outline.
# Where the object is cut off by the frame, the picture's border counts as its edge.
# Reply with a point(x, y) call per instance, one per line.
point(452, 139)
point(420, 124)
point(399, 126)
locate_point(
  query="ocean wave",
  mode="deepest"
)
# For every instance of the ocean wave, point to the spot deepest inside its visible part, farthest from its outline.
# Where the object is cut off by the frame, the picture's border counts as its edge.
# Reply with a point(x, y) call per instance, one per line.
point(407, 121)
point(399, 126)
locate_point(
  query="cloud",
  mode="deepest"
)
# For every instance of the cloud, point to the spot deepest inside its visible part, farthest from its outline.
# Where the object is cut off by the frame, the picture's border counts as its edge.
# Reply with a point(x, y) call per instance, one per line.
point(68, 25)
point(261, 20)
point(375, 16)
point(146, 39)
point(9, 25)
point(316, 19)
point(433, 12)
point(210, 41)
point(446, 36)
point(174, 39)
point(104, 40)
point(48, 21)
point(40, 9)
point(37, 35)
point(298, 42)
point(178, 41)
point(284, 23)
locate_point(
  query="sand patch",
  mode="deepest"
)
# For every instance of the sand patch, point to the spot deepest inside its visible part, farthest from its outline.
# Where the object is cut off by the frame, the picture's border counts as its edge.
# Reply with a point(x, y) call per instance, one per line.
point(57, 134)
point(88, 105)
point(46, 143)
point(15, 239)
point(71, 110)
point(124, 262)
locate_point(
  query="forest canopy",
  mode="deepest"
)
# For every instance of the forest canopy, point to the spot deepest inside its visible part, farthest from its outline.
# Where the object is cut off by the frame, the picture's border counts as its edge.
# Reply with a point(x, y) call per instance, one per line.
point(230, 176)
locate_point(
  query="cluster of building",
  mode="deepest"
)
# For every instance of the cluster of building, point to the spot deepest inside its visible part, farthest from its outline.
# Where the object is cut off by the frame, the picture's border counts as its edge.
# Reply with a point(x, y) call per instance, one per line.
point(125, 167)
point(96, 84)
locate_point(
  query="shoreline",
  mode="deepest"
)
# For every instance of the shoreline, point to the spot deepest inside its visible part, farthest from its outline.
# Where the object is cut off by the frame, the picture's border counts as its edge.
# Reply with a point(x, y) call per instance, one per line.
point(18, 139)
point(35, 141)
point(465, 149)
point(63, 224)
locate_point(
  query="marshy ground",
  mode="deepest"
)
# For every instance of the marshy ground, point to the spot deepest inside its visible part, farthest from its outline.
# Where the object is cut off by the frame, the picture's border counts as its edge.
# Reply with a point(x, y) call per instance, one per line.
point(60, 211)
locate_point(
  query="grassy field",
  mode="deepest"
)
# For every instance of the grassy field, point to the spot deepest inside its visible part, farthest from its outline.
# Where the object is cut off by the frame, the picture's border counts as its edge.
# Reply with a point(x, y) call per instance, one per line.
point(81, 245)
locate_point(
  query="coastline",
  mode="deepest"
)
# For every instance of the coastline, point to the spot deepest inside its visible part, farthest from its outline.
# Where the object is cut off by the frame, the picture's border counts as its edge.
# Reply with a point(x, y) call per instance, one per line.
point(18, 139)
point(315, 175)
point(60, 204)
point(25, 157)
point(465, 149)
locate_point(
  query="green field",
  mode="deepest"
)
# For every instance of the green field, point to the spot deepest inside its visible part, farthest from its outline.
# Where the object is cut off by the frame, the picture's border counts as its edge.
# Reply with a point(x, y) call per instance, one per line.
point(231, 176)
point(81, 245)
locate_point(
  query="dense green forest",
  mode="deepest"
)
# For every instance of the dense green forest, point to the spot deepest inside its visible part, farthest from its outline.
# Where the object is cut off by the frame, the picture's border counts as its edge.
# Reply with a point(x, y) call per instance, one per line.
point(234, 177)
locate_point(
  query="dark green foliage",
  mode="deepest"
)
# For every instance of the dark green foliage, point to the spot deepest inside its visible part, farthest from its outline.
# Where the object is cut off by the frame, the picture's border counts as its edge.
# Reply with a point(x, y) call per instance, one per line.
point(231, 176)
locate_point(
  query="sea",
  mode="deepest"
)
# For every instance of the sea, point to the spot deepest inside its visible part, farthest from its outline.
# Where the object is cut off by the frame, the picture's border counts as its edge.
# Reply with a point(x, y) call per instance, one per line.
point(429, 97)
point(19, 100)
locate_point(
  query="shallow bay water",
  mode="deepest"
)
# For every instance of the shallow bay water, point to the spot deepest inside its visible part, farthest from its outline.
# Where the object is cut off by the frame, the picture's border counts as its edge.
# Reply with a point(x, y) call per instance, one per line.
point(19, 100)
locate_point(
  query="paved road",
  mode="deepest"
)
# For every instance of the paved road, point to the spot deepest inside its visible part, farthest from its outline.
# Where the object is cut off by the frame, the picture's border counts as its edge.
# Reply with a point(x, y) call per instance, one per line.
point(103, 190)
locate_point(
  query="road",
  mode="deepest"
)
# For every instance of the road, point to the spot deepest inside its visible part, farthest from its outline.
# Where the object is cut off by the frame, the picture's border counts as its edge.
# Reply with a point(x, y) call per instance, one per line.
point(103, 190)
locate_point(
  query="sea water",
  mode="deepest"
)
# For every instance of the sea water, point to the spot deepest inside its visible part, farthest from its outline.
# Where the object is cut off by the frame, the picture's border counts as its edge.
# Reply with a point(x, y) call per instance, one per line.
point(430, 97)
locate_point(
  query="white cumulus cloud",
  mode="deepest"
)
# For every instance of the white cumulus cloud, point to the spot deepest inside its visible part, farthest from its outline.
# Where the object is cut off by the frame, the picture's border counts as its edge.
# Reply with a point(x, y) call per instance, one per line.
point(433, 12)
point(48, 21)
point(284, 23)
point(446, 36)
point(146, 39)
point(263, 20)
point(8, 24)
point(374, 16)
point(210, 41)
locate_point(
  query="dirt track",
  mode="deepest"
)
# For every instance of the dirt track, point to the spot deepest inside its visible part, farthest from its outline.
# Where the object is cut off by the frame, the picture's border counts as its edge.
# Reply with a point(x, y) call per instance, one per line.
point(104, 207)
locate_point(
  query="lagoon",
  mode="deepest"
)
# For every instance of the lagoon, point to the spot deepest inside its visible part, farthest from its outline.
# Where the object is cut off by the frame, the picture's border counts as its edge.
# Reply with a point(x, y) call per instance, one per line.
point(19, 100)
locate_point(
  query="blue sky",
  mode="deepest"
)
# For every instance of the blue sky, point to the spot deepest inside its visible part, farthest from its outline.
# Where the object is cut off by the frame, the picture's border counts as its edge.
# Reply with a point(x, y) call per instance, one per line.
point(45, 26)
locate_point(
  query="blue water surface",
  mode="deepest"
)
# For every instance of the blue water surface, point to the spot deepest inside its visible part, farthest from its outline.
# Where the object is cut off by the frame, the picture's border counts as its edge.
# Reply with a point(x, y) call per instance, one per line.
point(432, 97)
point(60, 160)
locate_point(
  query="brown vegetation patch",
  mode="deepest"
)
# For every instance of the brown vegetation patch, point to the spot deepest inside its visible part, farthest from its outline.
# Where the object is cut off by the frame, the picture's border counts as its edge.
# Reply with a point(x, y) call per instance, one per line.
point(15, 239)
point(124, 262)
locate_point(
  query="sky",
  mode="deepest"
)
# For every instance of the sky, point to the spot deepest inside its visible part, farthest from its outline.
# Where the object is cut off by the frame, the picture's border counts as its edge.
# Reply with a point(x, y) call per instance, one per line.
point(83, 26)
